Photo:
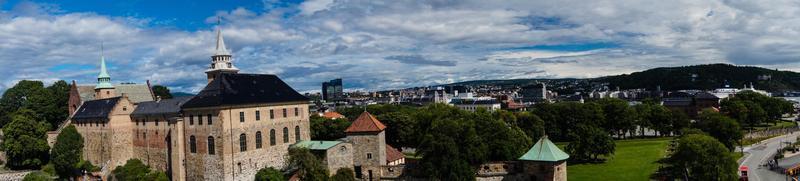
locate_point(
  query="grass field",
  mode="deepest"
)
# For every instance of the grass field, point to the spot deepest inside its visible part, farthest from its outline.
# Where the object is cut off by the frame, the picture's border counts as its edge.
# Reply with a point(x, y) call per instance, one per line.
point(633, 160)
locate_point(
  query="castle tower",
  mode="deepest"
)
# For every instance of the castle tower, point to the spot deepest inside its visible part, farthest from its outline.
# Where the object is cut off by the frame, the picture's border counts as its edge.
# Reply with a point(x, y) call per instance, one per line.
point(104, 89)
point(221, 60)
point(369, 142)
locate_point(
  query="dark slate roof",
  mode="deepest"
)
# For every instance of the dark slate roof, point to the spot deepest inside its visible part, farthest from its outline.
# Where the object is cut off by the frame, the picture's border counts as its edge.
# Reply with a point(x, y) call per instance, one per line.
point(474, 101)
point(705, 95)
point(236, 89)
point(677, 102)
point(94, 109)
point(165, 106)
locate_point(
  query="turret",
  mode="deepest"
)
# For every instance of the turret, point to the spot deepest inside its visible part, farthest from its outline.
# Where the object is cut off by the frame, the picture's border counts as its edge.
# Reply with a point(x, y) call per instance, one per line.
point(221, 61)
point(104, 88)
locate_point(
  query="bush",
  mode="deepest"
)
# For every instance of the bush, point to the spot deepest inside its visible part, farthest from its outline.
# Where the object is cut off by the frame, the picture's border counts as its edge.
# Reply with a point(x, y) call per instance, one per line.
point(269, 174)
point(344, 174)
point(49, 169)
point(135, 170)
point(37, 176)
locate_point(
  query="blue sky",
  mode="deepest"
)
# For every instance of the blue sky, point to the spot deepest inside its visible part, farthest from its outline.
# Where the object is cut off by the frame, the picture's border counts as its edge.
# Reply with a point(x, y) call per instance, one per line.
point(376, 45)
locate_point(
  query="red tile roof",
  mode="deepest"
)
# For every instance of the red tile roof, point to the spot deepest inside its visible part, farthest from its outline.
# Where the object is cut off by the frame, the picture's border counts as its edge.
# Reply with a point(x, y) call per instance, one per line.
point(332, 115)
point(392, 154)
point(365, 123)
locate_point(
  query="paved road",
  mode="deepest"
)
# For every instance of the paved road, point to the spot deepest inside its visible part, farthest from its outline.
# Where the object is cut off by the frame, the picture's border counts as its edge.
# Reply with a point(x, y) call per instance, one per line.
point(759, 154)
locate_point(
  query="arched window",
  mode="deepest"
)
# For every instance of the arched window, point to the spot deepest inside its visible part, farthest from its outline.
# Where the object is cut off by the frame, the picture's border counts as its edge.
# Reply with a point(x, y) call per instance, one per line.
point(211, 148)
point(297, 134)
point(242, 142)
point(192, 144)
point(258, 139)
point(285, 135)
point(272, 137)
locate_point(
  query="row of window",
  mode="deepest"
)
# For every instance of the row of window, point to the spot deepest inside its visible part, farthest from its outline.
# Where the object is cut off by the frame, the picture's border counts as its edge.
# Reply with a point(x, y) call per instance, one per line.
point(144, 123)
point(209, 119)
point(96, 123)
point(271, 114)
point(243, 140)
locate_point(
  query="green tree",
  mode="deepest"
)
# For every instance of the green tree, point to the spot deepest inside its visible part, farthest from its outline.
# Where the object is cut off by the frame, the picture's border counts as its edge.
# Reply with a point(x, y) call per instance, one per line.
point(57, 109)
point(679, 121)
point(660, 118)
point(755, 114)
point(269, 174)
point(162, 91)
point(532, 125)
point(135, 170)
point(327, 129)
point(700, 157)
point(308, 166)
point(400, 128)
point(25, 141)
point(449, 144)
point(719, 126)
point(506, 142)
point(589, 142)
point(25, 94)
point(643, 116)
point(619, 116)
point(67, 151)
point(344, 174)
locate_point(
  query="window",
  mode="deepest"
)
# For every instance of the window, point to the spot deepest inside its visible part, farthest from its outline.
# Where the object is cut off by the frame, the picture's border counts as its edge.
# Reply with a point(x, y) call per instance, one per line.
point(297, 134)
point(241, 116)
point(124, 108)
point(296, 112)
point(212, 66)
point(209, 119)
point(242, 142)
point(258, 139)
point(271, 114)
point(285, 134)
point(211, 148)
point(144, 136)
point(369, 155)
point(192, 144)
point(258, 115)
point(156, 122)
point(284, 112)
point(191, 119)
point(200, 119)
point(272, 137)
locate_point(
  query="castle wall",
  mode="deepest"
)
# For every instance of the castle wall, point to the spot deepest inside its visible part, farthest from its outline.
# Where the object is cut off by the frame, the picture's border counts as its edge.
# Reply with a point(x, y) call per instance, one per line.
point(339, 156)
point(370, 153)
point(229, 162)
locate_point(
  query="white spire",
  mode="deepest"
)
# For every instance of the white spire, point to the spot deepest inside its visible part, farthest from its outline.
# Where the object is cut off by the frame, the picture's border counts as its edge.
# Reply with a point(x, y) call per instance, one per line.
point(221, 50)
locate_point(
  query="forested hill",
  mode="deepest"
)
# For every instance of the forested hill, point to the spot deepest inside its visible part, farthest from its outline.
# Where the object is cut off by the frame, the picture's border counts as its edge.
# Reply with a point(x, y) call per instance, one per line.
point(706, 77)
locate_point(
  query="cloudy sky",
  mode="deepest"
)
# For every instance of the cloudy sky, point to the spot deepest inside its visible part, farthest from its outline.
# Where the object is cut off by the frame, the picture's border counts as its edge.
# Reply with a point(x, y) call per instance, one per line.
point(375, 45)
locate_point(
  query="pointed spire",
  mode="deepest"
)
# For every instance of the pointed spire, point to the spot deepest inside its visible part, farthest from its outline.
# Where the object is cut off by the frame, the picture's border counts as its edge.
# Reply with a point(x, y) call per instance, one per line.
point(221, 50)
point(103, 79)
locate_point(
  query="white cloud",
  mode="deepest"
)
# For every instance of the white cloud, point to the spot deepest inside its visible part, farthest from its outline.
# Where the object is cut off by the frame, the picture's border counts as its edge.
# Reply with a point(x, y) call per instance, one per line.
point(309, 7)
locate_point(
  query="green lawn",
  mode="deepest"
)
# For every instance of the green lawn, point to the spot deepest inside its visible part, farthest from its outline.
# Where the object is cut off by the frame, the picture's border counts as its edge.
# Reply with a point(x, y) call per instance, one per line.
point(633, 160)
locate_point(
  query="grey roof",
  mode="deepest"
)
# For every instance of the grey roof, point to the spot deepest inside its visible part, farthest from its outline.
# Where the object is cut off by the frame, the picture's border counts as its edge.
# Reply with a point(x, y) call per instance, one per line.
point(705, 95)
point(135, 92)
point(682, 101)
point(166, 106)
point(474, 101)
point(237, 89)
point(94, 109)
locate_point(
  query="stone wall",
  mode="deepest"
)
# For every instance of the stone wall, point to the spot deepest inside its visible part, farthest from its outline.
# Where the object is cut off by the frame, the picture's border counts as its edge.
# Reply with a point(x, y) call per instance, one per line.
point(339, 156)
point(14, 175)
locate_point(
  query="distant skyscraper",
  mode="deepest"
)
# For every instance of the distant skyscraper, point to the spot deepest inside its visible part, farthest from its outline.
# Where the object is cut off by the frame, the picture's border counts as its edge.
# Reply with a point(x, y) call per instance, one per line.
point(332, 90)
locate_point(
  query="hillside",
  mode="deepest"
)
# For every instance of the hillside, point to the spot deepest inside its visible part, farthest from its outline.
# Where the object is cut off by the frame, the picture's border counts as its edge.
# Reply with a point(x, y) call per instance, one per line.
point(706, 77)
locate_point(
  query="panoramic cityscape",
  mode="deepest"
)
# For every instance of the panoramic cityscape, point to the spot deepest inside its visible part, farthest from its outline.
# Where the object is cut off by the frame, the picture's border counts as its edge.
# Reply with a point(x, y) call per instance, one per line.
point(399, 90)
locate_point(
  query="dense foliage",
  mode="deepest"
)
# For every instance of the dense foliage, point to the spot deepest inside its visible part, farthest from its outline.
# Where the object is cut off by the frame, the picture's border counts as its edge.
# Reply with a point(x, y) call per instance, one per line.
point(700, 157)
point(308, 166)
point(25, 141)
point(724, 129)
point(708, 77)
point(751, 109)
point(135, 170)
point(37, 176)
point(49, 104)
point(327, 129)
point(344, 174)
point(162, 91)
point(66, 153)
point(269, 174)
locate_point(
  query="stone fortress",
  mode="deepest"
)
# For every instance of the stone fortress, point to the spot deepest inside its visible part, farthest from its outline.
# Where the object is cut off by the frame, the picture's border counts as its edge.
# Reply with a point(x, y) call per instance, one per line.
point(239, 123)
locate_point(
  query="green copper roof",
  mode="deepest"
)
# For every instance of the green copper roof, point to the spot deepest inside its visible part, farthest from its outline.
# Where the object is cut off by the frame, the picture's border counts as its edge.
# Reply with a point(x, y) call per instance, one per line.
point(103, 80)
point(316, 145)
point(544, 150)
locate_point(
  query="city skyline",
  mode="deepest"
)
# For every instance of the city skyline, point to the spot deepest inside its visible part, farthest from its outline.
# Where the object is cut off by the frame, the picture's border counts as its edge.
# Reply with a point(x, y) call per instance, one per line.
point(387, 45)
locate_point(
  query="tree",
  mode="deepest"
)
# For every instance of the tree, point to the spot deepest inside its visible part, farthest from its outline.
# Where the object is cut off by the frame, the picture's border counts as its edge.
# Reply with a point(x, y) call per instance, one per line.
point(532, 125)
point(135, 170)
point(308, 166)
point(619, 116)
point(660, 118)
point(162, 91)
point(269, 174)
point(22, 95)
point(679, 121)
point(344, 174)
point(67, 151)
point(327, 129)
point(700, 157)
point(25, 141)
point(400, 128)
point(449, 143)
point(506, 142)
point(589, 142)
point(643, 116)
point(755, 114)
point(724, 129)
point(57, 110)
